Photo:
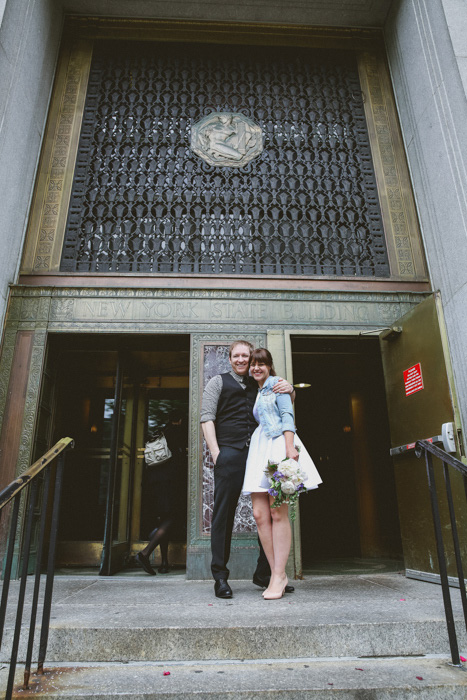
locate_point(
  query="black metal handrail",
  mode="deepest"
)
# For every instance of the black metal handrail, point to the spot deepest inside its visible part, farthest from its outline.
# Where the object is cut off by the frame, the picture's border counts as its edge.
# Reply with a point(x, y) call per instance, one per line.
point(27, 485)
point(430, 451)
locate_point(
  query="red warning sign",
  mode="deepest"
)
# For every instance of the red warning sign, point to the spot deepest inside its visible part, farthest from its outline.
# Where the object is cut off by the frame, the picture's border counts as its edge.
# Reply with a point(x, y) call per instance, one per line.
point(413, 380)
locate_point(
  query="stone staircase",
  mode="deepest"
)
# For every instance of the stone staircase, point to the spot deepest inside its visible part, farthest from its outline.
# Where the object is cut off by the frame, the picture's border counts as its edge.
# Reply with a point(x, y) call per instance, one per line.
point(378, 636)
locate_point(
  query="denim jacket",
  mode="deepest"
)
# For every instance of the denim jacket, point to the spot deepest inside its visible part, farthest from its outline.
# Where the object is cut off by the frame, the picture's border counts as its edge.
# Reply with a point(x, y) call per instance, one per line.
point(274, 410)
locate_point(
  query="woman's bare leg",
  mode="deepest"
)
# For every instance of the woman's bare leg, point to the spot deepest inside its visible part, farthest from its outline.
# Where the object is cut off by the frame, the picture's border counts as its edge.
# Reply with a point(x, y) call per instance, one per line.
point(281, 543)
point(262, 514)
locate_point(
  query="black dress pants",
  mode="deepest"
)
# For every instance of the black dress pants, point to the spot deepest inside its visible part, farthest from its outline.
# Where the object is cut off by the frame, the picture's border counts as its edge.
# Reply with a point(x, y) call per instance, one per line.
point(229, 473)
point(263, 570)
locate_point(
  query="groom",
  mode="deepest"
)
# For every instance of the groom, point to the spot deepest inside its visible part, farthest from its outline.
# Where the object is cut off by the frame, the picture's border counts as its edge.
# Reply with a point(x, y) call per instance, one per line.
point(227, 422)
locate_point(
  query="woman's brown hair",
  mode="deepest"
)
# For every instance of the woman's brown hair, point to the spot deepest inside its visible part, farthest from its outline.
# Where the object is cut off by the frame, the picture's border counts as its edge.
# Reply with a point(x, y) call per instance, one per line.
point(264, 356)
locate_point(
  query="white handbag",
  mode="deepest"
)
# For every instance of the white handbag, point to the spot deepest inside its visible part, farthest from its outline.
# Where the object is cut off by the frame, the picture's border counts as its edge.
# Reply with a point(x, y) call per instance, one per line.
point(157, 451)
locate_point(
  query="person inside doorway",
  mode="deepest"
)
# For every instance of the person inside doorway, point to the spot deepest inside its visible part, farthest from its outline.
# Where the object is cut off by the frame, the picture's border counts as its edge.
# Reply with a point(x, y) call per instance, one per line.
point(228, 423)
point(167, 496)
point(274, 440)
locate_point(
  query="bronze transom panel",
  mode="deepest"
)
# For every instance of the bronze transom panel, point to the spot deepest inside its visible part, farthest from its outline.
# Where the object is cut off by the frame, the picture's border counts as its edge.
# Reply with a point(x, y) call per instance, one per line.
point(142, 201)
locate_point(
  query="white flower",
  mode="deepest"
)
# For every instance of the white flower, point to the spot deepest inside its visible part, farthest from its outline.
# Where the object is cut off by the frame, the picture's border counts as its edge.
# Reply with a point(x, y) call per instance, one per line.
point(288, 487)
point(289, 465)
point(299, 477)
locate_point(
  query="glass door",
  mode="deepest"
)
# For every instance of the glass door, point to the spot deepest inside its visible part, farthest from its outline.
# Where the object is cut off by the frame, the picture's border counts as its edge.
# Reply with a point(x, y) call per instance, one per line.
point(85, 410)
point(116, 545)
point(111, 401)
point(160, 495)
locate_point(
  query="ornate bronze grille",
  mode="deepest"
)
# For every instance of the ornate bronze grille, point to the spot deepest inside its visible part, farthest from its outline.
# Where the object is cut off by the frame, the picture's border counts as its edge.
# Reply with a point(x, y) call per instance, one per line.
point(143, 201)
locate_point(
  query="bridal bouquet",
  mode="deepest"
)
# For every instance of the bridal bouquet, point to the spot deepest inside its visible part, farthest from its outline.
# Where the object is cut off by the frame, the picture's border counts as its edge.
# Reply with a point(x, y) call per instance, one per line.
point(286, 483)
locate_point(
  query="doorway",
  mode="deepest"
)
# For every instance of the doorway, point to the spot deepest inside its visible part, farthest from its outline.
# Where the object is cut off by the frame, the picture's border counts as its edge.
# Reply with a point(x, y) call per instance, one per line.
point(113, 395)
point(351, 521)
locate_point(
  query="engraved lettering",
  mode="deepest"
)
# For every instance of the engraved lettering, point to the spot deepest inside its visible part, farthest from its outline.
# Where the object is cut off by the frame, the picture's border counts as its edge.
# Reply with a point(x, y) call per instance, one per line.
point(148, 306)
point(185, 309)
point(179, 310)
point(346, 312)
point(90, 307)
point(163, 310)
point(120, 308)
point(191, 310)
point(363, 313)
point(103, 309)
point(325, 312)
point(216, 310)
point(237, 311)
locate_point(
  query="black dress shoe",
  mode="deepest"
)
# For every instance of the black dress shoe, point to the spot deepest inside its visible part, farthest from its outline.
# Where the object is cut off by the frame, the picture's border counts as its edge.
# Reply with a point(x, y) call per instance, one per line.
point(163, 569)
point(263, 582)
point(143, 562)
point(222, 589)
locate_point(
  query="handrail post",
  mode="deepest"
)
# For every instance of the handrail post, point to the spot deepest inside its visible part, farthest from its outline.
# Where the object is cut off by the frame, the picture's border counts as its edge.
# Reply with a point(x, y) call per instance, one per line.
point(22, 588)
point(442, 561)
point(455, 540)
point(8, 562)
point(28, 483)
point(35, 598)
point(50, 566)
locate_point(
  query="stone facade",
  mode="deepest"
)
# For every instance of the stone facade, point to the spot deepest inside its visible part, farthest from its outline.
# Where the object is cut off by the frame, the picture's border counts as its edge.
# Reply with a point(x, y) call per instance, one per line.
point(426, 53)
point(428, 61)
point(30, 35)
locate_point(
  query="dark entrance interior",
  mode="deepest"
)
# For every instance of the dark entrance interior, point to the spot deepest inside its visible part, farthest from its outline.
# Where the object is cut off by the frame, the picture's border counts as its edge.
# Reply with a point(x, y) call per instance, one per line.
point(342, 417)
point(154, 377)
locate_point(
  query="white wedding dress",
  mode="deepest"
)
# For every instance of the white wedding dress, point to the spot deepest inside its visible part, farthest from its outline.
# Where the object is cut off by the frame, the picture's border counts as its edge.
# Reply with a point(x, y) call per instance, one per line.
point(262, 449)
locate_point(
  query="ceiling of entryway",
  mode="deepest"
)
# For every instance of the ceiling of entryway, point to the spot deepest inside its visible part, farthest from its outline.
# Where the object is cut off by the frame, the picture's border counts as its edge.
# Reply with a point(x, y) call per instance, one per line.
point(339, 13)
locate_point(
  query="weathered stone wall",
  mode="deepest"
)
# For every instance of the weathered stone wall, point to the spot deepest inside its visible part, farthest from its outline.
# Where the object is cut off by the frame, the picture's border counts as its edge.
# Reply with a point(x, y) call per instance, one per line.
point(29, 39)
point(427, 52)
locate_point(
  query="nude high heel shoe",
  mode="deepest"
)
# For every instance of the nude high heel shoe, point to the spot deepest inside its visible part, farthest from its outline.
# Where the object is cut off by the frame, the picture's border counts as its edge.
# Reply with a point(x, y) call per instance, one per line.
point(273, 596)
point(268, 595)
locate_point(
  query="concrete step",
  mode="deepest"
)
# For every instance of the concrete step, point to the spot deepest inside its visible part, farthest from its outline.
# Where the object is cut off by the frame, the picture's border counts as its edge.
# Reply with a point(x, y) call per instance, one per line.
point(275, 679)
point(163, 619)
point(110, 643)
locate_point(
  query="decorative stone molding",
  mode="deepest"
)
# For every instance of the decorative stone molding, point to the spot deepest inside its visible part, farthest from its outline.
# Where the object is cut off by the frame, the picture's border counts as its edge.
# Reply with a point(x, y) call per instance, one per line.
point(394, 187)
point(50, 206)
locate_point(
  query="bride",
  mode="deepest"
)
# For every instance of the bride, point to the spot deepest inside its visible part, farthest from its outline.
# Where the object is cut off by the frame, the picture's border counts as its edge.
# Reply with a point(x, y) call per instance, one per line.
point(274, 439)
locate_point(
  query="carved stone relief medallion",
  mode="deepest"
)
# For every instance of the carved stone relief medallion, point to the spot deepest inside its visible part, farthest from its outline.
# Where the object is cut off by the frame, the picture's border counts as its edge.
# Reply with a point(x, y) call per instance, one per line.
point(226, 139)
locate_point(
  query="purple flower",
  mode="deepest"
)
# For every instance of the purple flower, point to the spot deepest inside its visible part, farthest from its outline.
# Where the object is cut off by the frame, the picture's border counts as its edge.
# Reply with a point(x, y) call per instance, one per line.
point(278, 475)
point(273, 492)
